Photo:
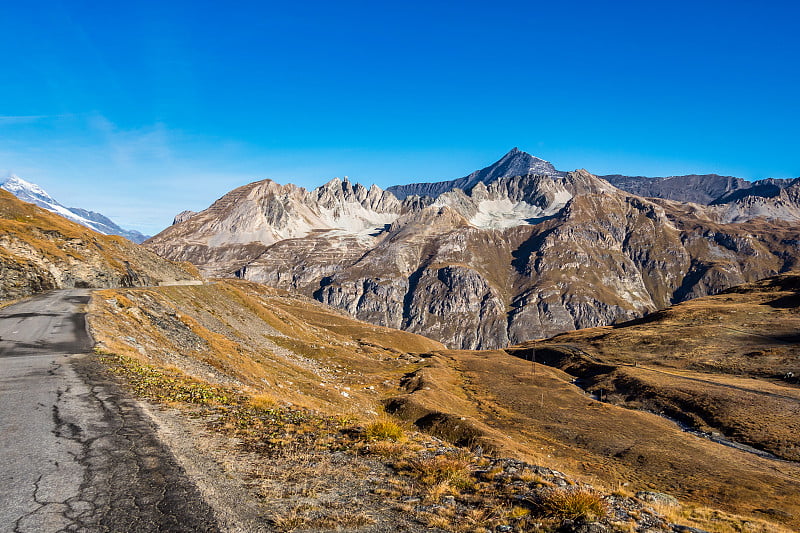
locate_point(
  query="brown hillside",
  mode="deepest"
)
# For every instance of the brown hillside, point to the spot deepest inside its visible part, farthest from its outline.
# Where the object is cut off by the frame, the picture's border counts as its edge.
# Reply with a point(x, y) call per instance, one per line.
point(40, 251)
point(259, 339)
point(285, 394)
point(717, 364)
point(290, 350)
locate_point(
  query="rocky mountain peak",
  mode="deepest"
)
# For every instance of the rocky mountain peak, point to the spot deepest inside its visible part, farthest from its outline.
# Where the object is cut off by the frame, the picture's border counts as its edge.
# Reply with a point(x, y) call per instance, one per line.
point(337, 192)
point(582, 181)
point(513, 251)
point(514, 163)
point(25, 190)
point(183, 216)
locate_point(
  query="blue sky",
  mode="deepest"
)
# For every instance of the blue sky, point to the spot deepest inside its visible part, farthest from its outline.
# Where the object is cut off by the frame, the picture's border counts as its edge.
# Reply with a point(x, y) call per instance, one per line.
point(142, 109)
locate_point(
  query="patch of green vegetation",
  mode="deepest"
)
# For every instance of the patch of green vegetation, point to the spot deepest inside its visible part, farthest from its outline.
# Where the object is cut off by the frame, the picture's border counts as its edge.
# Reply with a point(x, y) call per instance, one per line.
point(261, 426)
point(164, 385)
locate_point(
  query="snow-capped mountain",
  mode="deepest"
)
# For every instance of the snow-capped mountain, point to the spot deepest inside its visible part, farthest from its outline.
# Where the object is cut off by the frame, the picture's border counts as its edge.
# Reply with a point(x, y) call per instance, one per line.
point(32, 193)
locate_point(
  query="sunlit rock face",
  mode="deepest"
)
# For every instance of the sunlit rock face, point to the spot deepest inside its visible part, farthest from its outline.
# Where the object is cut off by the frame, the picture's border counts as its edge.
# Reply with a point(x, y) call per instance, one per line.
point(513, 252)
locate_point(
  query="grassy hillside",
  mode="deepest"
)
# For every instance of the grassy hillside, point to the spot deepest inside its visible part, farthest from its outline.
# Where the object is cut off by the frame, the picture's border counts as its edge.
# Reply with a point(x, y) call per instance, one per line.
point(725, 364)
point(719, 366)
point(260, 340)
point(295, 380)
point(40, 251)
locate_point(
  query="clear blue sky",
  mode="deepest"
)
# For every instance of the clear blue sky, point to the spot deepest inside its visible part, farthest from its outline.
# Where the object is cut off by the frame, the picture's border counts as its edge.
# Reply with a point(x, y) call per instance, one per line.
point(142, 109)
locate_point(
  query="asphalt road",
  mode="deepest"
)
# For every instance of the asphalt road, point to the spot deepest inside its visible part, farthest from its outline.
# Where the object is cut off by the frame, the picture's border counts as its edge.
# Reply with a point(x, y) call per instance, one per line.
point(76, 453)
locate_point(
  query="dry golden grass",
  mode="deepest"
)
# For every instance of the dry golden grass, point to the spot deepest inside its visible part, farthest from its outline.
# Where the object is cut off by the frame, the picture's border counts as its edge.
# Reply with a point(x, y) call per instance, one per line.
point(573, 504)
point(385, 428)
point(264, 401)
point(387, 449)
point(453, 468)
point(545, 419)
point(716, 521)
point(305, 517)
point(302, 481)
point(259, 338)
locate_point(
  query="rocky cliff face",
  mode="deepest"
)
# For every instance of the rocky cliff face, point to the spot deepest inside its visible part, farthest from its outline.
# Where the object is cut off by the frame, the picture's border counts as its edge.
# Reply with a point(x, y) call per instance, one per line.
point(508, 259)
point(42, 251)
point(604, 258)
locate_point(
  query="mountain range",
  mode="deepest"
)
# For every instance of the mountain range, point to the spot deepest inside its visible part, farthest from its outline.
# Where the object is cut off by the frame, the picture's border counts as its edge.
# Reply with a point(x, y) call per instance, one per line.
point(522, 251)
point(698, 399)
point(32, 193)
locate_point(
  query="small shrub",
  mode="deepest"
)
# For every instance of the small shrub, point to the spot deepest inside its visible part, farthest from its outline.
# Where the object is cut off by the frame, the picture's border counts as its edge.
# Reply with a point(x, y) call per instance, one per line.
point(518, 512)
point(384, 429)
point(292, 519)
point(573, 504)
point(453, 468)
point(435, 492)
point(387, 449)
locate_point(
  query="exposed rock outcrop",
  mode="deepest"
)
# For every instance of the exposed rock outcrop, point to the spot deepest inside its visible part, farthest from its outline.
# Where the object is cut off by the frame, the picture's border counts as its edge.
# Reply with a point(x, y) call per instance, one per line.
point(507, 259)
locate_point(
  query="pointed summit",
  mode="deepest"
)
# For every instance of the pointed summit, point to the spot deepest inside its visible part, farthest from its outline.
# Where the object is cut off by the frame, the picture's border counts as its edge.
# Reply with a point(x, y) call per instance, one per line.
point(514, 163)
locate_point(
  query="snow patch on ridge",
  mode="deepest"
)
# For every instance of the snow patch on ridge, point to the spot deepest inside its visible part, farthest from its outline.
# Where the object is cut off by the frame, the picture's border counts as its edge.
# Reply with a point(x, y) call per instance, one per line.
point(17, 186)
point(503, 213)
point(299, 220)
point(354, 218)
point(34, 194)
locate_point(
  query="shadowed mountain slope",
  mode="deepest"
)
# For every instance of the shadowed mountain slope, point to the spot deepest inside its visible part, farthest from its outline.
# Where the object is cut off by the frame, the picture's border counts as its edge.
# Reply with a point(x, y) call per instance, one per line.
point(705, 189)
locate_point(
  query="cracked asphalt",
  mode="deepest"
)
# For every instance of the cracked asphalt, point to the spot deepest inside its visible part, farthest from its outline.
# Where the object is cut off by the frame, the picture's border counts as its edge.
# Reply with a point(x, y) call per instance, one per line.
point(76, 452)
